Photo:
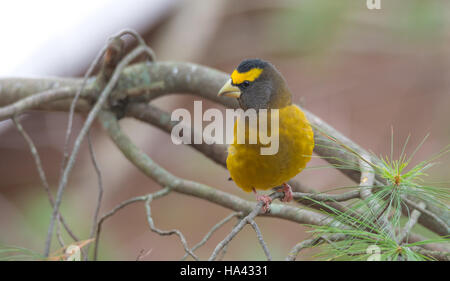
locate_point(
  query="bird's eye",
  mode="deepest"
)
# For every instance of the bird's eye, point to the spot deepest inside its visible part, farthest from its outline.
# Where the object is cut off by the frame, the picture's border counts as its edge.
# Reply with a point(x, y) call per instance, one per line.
point(245, 84)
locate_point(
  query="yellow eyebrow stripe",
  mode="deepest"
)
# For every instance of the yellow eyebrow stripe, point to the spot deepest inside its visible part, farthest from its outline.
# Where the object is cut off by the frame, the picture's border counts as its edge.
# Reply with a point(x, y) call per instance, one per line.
point(250, 75)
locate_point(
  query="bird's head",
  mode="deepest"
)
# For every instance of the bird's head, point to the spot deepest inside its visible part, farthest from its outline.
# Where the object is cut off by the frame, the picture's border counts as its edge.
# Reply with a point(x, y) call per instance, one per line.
point(257, 84)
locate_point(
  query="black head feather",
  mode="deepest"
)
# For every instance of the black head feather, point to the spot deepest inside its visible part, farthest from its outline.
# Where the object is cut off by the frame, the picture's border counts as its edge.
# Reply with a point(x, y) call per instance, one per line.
point(248, 64)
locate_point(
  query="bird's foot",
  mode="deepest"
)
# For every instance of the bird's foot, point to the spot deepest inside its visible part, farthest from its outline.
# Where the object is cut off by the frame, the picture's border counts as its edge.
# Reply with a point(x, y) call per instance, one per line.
point(287, 190)
point(265, 199)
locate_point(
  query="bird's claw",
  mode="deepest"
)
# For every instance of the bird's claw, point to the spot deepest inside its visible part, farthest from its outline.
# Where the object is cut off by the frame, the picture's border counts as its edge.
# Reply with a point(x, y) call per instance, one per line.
point(287, 190)
point(266, 202)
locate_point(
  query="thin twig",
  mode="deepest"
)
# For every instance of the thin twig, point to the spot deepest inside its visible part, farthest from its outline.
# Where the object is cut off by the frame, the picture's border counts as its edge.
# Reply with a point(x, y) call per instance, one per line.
point(241, 225)
point(366, 185)
point(33, 101)
point(88, 73)
point(415, 214)
point(100, 190)
point(225, 248)
point(40, 168)
point(58, 233)
point(73, 104)
point(139, 38)
point(89, 120)
point(326, 197)
point(111, 213)
point(143, 254)
point(119, 207)
point(437, 255)
point(211, 232)
point(260, 239)
point(293, 253)
point(413, 205)
point(166, 232)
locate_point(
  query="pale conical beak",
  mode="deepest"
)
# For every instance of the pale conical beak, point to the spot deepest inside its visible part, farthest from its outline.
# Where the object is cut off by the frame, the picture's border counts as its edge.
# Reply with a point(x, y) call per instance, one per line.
point(228, 90)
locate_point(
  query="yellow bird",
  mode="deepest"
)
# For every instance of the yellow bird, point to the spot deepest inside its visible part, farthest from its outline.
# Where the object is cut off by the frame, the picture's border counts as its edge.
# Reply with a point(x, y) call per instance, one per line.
point(257, 84)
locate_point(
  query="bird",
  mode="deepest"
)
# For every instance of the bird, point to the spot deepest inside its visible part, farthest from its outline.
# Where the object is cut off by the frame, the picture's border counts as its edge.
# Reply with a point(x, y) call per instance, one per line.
point(257, 84)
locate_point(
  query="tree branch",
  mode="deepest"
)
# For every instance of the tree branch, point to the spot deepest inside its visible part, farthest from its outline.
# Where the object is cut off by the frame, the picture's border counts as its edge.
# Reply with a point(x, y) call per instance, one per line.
point(165, 232)
point(248, 219)
point(211, 232)
point(37, 160)
point(311, 243)
point(32, 101)
point(409, 225)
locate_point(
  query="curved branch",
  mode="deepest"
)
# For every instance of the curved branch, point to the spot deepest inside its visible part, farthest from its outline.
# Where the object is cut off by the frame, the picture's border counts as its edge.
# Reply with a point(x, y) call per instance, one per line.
point(34, 100)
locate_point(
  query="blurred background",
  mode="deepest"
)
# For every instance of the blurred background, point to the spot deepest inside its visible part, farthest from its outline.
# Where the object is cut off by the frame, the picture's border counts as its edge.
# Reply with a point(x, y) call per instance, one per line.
point(360, 70)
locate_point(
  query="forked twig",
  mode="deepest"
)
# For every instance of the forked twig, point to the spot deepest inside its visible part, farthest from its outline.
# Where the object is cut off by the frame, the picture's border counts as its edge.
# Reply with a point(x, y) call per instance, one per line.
point(211, 232)
point(166, 232)
point(119, 207)
point(241, 225)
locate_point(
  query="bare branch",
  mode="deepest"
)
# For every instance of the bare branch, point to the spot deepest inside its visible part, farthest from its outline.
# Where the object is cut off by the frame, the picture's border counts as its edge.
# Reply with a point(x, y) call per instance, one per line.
point(166, 232)
point(224, 249)
point(366, 184)
point(439, 224)
point(326, 197)
point(211, 232)
point(260, 239)
point(37, 160)
point(143, 254)
point(100, 190)
point(437, 255)
point(111, 213)
point(119, 207)
point(161, 119)
point(311, 243)
point(409, 225)
point(31, 102)
point(440, 247)
point(241, 225)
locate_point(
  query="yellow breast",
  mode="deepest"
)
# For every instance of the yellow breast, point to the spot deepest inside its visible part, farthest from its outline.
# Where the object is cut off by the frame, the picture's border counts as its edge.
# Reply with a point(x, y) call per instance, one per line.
point(249, 169)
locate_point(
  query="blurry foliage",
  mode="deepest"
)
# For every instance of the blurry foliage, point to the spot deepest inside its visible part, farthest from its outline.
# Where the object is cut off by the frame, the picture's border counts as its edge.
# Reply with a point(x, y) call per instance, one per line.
point(8, 253)
point(311, 24)
point(420, 19)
